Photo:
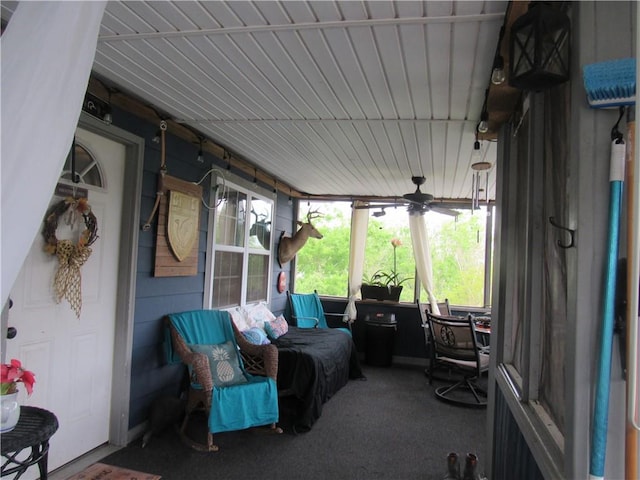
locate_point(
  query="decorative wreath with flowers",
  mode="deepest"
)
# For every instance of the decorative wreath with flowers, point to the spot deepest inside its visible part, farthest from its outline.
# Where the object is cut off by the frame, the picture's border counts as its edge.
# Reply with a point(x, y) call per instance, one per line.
point(71, 256)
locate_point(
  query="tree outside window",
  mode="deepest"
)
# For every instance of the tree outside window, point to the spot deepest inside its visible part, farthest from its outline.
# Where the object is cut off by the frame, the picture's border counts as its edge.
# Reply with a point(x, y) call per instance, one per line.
point(457, 252)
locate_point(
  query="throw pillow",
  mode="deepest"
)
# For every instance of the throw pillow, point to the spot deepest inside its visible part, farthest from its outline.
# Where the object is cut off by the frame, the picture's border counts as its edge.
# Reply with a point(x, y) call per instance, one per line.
point(256, 335)
point(224, 363)
point(276, 328)
point(239, 319)
point(258, 314)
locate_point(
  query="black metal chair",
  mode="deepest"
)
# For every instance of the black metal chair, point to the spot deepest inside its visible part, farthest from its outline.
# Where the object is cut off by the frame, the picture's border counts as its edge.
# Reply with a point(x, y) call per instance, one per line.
point(424, 308)
point(454, 347)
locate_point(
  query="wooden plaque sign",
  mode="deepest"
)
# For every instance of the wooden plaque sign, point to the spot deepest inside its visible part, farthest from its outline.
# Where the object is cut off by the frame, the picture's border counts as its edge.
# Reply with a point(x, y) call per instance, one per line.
point(182, 223)
point(178, 229)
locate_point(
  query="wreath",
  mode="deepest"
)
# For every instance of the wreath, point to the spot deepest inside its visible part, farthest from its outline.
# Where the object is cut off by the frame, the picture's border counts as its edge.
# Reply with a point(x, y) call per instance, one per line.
point(72, 206)
point(71, 256)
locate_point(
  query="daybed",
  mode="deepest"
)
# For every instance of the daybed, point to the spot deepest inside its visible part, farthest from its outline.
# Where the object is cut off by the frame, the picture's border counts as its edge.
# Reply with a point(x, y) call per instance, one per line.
point(313, 364)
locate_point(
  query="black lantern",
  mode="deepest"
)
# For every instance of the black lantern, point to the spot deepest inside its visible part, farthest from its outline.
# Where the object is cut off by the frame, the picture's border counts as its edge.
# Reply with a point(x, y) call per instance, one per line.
point(539, 48)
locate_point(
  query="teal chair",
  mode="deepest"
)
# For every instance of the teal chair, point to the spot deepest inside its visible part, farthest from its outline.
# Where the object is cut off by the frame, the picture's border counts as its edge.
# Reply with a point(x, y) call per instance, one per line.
point(307, 312)
point(236, 393)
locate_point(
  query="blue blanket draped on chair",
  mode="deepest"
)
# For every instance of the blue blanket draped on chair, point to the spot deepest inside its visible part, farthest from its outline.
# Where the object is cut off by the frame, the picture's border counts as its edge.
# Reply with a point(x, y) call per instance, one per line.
point(233, 407)
point(308, 306)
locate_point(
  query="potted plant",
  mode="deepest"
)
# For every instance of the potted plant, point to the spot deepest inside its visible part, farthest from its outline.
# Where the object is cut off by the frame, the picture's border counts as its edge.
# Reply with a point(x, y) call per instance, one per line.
point(10, 375)
point(384, 285)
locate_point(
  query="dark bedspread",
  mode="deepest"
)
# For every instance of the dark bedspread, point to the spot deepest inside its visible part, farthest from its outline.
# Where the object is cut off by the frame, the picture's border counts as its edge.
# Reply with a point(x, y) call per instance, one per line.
point(313, 364)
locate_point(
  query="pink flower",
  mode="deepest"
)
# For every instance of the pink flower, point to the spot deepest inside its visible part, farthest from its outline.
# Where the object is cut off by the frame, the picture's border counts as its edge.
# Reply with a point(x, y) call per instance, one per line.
point(13, 373)
point(396, 242)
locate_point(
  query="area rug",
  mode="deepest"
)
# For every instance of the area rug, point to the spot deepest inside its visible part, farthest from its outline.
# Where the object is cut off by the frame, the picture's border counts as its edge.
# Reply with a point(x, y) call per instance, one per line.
point(102, 471)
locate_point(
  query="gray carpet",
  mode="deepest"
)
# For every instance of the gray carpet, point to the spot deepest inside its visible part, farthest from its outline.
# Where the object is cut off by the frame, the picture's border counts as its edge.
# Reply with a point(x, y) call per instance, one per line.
point(388, 427)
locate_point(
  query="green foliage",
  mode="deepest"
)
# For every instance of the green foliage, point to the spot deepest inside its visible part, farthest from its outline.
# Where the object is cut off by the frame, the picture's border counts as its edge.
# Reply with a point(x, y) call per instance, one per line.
point(323, 265)
point(457, 252)
point(384, 279)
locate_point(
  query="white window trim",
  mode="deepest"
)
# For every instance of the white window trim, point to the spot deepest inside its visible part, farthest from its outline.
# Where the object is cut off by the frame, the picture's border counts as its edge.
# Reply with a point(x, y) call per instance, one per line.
point(252, 190)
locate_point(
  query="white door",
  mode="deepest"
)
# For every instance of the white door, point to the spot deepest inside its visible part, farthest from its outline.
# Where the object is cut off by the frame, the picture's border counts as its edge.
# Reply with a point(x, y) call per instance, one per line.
point(72, 357)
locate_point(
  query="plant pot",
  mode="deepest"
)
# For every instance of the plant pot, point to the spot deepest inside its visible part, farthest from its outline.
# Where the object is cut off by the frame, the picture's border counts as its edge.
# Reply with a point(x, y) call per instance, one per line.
point(10, 412)
point(377, 292)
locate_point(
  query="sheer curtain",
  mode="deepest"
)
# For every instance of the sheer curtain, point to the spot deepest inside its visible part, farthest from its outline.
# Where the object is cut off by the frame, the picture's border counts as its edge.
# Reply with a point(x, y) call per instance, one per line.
point(359, 224)
point(422, 256)
point(47, 54)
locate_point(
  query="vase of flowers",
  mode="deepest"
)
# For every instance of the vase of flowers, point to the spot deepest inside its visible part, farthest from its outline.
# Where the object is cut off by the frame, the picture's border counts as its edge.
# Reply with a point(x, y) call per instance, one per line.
point(11, 374)
point(384, 285)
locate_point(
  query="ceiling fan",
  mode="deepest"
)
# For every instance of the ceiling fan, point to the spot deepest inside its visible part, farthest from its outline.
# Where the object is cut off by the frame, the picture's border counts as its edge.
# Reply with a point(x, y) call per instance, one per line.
point(417, 202)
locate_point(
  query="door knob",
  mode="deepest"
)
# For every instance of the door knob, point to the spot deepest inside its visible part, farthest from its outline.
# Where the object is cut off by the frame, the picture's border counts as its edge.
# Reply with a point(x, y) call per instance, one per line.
point(11, 332)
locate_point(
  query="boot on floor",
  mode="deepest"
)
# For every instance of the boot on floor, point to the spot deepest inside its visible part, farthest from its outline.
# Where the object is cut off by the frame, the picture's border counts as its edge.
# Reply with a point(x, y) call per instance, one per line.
point(471, 468)
point(453, 467)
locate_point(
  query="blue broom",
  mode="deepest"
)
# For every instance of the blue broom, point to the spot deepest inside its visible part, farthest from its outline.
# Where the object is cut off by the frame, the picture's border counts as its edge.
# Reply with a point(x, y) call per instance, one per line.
point(608, 84)
point(611, 83)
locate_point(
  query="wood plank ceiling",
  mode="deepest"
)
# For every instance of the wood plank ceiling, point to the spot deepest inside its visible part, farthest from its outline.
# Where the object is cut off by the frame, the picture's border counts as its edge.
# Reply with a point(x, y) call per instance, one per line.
point(333, 98)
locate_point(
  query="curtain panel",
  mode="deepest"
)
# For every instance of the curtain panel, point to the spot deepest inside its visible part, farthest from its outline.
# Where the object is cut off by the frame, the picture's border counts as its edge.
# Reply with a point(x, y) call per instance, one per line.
point(47, 53)
point(359, 226)
point(422, 256)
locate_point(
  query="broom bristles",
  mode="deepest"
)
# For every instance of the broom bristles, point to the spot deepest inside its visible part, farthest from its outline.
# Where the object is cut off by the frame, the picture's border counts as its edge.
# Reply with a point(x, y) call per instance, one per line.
point(611, 83)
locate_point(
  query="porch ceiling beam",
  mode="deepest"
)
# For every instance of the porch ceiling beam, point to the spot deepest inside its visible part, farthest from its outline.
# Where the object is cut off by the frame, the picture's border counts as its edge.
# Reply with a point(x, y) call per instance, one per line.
point(448, 19)
point(293, 121)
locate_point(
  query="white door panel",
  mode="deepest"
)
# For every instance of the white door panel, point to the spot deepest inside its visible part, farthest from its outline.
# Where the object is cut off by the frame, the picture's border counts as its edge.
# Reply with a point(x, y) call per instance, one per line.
point(72, 357)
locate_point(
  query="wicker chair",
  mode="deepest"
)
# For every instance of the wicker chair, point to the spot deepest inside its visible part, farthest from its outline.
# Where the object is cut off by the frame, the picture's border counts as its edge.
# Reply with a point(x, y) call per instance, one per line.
point(259, 364)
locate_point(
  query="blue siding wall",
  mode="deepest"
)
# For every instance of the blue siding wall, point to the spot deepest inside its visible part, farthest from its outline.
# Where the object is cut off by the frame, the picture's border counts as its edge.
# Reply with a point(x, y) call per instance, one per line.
point(283, 223)
point(151, 377)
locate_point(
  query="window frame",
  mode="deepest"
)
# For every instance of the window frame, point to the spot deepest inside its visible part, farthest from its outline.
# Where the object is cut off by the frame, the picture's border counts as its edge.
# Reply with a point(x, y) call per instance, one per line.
point(518, 378)
point(253, 192)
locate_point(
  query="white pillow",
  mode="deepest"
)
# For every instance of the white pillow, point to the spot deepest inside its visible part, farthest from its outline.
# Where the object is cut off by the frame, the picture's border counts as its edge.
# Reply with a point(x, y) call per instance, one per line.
point(257, 314)
point(239, 318)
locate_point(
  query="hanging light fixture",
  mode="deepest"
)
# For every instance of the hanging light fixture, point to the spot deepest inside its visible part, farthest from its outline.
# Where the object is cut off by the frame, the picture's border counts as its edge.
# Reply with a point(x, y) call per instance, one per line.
point(539, 48)
point(226, 157)
point(483, 126)
point(200, 157)
point(497, 73)
point(476, 154)
point(107, 117)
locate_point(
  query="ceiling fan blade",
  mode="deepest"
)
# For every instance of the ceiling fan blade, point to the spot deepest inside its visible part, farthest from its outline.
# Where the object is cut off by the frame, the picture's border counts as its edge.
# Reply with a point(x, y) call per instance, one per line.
point(445, 211)
point(379, 205)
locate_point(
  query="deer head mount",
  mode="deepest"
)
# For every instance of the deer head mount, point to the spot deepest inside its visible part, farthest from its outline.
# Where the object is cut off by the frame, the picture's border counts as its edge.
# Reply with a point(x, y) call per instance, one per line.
point(289, 246)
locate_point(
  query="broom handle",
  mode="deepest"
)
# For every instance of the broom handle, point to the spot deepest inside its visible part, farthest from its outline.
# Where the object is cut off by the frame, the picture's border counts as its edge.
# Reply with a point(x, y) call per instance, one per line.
point(603, 376)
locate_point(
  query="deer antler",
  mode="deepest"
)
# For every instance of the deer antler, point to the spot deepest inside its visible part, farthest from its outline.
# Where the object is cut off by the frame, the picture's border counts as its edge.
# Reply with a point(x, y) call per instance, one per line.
point(259, 217)
point(314, 214)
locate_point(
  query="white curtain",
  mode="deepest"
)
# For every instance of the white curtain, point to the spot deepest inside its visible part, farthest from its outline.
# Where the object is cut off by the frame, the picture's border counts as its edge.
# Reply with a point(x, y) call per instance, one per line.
point(422, 257)
point(47, 54)
point(359, 225)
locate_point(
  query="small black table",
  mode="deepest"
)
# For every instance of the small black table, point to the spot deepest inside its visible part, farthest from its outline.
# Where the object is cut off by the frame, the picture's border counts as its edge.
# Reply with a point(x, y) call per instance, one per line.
point(34, 429)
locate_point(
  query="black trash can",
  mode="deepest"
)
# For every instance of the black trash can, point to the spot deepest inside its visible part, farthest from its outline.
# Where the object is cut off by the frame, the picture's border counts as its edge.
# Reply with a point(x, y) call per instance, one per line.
point(379, 338)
